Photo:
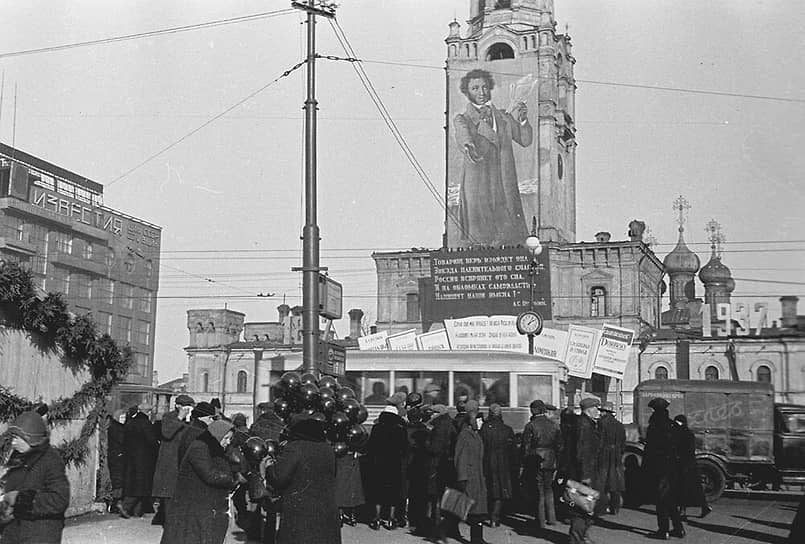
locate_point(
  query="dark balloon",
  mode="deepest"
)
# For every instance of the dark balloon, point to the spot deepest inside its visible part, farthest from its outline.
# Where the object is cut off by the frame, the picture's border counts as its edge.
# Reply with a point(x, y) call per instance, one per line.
point(328, 381)
point(363, 414)
point(340, 421)
point(329, 406)
point(340, 449)
point(413, 399)
point(326, 393)
point(351, 407)
point(356, 437)
point(344, 393)
point(308, 378)
point(292, 380)
point(282, 408)
point(254, 450)
point(318, 416)
point(309, 396)
point(272, 448)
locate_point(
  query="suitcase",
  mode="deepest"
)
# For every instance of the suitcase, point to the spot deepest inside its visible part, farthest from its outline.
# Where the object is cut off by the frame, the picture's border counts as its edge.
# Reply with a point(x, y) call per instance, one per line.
point(457, 503)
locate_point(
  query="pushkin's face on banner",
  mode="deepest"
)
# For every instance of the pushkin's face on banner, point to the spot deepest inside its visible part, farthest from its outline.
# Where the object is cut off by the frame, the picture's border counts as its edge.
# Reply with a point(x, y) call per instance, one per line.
point(478, 91)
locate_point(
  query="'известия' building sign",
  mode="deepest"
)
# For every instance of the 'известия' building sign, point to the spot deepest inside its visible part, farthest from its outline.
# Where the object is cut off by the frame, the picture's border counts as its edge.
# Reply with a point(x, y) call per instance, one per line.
point(94, 216)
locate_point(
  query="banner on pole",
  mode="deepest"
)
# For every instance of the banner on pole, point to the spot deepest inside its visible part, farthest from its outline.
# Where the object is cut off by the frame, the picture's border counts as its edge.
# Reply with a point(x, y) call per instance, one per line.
point(613, 351)
point(551, 343)
point(433, 341)
point(582, 343)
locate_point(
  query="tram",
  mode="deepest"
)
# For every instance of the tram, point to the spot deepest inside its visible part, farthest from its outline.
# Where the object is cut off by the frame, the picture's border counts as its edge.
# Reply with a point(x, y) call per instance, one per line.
point(509, 379)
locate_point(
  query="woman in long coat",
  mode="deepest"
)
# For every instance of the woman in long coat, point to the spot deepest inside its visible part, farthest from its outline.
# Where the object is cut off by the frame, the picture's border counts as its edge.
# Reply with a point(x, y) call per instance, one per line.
point(691, 490)
point(469, 458)
point(304, 475)
point(197, 512)
point(35, 485)
point(387, 454)
point(498, 439)
point(613, 444)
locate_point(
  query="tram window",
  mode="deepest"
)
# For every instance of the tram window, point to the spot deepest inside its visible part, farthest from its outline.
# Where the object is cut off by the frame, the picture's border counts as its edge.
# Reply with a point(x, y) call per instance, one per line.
point(530, 388)
point(372, 387)
point(432, 385)
point(485, 387)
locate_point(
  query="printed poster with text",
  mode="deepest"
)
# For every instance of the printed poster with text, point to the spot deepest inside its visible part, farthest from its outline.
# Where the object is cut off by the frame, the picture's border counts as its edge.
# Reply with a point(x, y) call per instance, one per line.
point(402, 341)
point(613, 351)
point(497, 332)
point(551, 343)
point(433, 341)
point(373, 342)
point(582, 343)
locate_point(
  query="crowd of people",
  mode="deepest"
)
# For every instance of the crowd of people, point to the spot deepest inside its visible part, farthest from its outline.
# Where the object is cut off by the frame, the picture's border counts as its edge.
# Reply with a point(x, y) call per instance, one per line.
point(193, 462)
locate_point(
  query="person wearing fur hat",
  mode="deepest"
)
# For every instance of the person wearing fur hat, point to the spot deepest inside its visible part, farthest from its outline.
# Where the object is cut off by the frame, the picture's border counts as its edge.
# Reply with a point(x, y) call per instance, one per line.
point(304, 474)
point(36, 486)
point(197, 512)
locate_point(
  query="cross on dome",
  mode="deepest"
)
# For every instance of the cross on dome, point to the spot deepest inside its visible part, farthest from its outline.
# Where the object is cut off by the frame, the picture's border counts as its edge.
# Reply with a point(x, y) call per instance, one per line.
point(681, 205)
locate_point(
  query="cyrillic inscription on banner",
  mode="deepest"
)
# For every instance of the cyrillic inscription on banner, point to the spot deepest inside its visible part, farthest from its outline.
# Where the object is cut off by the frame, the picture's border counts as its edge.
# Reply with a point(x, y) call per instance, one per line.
point(402, 341)
point(480, 332)
point(613, 351)
point(551, 343)
point(488, 282)
point(581, 346)
point(433, 341)
point(373, 342)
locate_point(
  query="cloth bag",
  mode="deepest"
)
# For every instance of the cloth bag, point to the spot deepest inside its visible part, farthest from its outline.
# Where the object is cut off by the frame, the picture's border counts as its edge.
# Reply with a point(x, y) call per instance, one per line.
point(456, 502)
point(580, 497)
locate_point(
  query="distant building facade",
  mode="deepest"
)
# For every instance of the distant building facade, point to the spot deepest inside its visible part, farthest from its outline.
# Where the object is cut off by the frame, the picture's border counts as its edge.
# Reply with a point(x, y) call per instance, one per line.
point(105, 262)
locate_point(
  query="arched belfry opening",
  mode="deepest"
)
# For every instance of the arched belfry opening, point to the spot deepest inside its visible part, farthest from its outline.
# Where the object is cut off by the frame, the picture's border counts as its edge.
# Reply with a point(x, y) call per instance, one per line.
point(500, 51)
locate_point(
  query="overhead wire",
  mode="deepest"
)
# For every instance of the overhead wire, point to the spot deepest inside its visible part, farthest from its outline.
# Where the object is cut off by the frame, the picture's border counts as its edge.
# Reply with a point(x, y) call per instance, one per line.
point(148, 34)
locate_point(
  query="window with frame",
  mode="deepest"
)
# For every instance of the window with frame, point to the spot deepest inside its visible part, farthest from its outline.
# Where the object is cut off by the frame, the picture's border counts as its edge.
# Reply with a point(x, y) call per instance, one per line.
point(144, 300)
point(140, 366)
point(80, 286)
point(433, 386)
point(142, 334)
point(711, 373)
point(127, 296)
point(486, 387)
point(104, 321)
point(534, 387)
point(87, 251)
point(205, 382)
point(59, 280)
point(372, 387)
point(661, 373)
point(241, 382)
point(123, 329)
point(598, 301)
point(763, 374)
point(62, 242)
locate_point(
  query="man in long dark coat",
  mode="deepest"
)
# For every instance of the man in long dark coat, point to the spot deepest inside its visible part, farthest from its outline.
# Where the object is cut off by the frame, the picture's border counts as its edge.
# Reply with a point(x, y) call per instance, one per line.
point(140, 446)
point(584, 467)
point(171, 428)
point(200, 417)
point(661, 465)
point(541, 442)
point(304, 474)
point(469, 459)
point(613, 435)
point(691, 492)
point(498, 441)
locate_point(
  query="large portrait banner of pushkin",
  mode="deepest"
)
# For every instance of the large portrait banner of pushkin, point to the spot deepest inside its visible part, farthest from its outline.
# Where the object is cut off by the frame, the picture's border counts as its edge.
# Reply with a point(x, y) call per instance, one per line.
point(488, 281)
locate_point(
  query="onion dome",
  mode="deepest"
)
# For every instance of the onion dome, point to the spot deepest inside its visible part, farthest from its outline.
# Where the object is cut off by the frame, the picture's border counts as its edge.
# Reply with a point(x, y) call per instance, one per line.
point(715, 271)
point(681, 260)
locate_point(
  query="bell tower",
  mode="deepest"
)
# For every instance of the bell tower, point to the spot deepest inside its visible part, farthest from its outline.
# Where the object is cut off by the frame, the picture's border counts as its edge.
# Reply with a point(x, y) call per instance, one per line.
point(515, 42)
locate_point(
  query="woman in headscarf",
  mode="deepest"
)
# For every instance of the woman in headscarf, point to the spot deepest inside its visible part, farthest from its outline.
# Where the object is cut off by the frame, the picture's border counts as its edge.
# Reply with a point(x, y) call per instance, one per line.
point(198, 511)
point(36, 486)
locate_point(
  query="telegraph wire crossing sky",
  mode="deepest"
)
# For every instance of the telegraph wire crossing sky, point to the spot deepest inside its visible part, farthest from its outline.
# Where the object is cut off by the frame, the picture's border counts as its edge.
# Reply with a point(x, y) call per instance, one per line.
point(692, 98)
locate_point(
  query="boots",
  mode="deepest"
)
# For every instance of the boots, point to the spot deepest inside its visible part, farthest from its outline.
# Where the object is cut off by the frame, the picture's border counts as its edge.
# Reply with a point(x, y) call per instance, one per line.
point(477, 533)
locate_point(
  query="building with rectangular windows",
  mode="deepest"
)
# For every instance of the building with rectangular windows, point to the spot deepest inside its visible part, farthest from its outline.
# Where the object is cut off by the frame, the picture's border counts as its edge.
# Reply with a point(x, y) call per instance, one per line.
point(104, 261)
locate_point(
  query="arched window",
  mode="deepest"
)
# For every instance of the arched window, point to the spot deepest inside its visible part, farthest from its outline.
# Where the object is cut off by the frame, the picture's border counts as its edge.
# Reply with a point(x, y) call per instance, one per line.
point(525, 42)
point(711, 373)
point(241, 381)
point(598, 301)
point(661, 373)
point(764, 374)
point(452, 50)
point(500, 51)
point(205, 382)
point(534, 41)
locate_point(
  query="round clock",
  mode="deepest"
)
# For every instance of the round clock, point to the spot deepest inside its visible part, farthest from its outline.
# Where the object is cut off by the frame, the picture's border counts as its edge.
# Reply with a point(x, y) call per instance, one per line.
point(530, 323)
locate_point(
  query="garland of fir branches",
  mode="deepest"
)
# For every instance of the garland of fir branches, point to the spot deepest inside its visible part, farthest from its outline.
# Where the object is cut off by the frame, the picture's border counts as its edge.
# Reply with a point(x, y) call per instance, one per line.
point(53, 330)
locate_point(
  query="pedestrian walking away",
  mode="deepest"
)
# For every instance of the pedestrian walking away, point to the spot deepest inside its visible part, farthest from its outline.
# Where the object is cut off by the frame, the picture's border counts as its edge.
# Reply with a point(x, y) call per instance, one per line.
point(691, 490)
point(498, 439)
point(140, 448)
point(661, 466)
point(613, 437)
point(541, 441)
point(469, 459)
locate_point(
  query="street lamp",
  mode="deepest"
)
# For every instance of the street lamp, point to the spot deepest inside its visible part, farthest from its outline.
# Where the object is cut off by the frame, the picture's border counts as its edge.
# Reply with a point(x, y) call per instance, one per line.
point(530, 322)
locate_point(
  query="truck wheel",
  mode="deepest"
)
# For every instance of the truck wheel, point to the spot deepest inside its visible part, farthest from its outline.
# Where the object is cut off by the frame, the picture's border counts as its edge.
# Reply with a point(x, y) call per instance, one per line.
point(713, 479)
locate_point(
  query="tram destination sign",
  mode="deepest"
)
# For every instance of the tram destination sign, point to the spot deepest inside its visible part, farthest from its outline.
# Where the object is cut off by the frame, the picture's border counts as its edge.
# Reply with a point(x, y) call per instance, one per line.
point(487, 282)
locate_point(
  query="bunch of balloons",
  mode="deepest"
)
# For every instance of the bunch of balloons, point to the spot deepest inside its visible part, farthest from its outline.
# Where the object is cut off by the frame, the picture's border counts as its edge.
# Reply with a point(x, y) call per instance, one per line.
point(324, 400)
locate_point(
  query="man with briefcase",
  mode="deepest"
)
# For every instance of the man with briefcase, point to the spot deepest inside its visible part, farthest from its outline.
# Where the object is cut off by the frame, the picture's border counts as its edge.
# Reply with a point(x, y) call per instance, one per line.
point(584, 466)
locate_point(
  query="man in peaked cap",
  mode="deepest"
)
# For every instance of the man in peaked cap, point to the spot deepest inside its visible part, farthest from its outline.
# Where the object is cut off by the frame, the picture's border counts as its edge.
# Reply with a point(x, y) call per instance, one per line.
point(660, 462)
point(541, 442)
point(613, 437)
point(586, 466)
point(659, 403)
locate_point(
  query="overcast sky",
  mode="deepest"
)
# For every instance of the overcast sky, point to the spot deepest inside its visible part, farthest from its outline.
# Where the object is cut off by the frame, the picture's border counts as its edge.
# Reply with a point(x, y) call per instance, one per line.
point(232, 192)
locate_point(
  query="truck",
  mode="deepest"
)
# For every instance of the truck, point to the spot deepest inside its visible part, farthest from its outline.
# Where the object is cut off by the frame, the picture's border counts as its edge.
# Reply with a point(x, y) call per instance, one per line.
point(742, 436)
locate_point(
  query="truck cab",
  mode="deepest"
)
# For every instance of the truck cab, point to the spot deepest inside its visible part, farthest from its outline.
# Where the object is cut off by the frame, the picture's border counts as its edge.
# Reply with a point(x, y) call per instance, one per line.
point(742, 437)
